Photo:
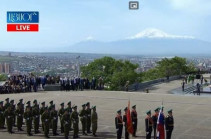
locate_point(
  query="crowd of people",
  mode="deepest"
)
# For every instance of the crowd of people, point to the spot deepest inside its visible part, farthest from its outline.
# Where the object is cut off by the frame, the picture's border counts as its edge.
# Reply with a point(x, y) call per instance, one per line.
point(156, 122)
point(13, 115)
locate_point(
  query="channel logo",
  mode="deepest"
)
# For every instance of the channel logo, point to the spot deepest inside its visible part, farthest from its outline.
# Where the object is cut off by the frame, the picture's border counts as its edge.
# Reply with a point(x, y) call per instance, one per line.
point(22, 21)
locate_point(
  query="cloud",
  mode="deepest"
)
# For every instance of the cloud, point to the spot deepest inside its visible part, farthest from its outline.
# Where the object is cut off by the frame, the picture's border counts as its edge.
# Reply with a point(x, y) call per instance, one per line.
point(193, 6)
point(156, 33)
point(89, 38)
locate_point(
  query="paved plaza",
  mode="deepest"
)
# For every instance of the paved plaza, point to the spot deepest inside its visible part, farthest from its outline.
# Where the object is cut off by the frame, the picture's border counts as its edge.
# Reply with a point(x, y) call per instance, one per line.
point(191, 113)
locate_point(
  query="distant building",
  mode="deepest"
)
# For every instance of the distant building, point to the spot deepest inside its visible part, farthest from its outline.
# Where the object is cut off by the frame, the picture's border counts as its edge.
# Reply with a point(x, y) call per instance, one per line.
point(1, 68)
point(6, 68)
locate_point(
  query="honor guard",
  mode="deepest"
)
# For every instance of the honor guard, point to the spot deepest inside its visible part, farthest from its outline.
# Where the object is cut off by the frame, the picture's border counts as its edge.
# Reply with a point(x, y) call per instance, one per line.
point(83, 118)
point(61, 112)
point(9, 115)
point(119, 124)
point(169, 123)
point(89, 111)
point(2, 118)
point(155, 119)
point(148, 124)
point(28, 117)
point(69, 108)
point(7, 104)
point(36, 116)
point(134, 120)
point(125, 123)
point(19, 113)
point(46, 118)
point(66, 123)
point(75, 120)
point(13, 110)
point(54, 121)
point(29, 105)
point(42, 110)
point(94, 119)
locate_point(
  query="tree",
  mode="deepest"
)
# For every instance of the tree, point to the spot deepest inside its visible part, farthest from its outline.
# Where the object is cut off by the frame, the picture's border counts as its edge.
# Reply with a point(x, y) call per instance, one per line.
point(3, 77)
point(115, 73)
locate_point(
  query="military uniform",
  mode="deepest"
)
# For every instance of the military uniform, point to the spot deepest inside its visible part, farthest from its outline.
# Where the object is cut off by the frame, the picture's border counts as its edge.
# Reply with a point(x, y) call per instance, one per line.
point(19, 113)
point(134, 120)
point(69, 108)
point(155, 119)
point(61, 112)
point(169, 123)
point(125, 123)
point(119, 124)
point(88, 113)
point(13, 110)
point(36, 117)
point(2, 118)
point(46, 119)
point(50, 108)
point(54, 120)
point(42, 110)
point(28, 116)
point(7, 104)
point(94, 119)
point(75, 120)
point(83, 119)
point(66, 123)
point(9, 115)
point(148, 125)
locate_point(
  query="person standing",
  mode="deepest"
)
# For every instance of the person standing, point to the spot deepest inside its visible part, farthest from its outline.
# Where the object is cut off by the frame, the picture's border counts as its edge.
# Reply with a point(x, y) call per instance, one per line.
point(183, 85)
point(28, 117)
point(127, 86)
point(134, 116)
point(75, 119)
point(9, 115)
point(83, 119)
point(46, 118)
point(13, 111)
point(54, 120)
point(119, 124)
point(155, 118)
point(148, 125)
point(61, 112)
point(125, 123)
point(19, 113)
point(66, 123)
point(2, 118)
point(169, 123)
point(7, 104)
point(89, 111)
point(36, 116)
point(42, 110)
point(69, 108)
point(94, 119)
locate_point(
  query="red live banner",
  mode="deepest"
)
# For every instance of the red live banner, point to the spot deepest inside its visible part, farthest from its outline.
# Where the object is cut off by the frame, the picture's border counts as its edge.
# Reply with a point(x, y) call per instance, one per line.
point(23, 27)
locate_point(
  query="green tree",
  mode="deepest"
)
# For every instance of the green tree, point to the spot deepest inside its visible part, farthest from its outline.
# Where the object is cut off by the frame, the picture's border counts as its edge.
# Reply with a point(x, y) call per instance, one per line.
point(3, 77)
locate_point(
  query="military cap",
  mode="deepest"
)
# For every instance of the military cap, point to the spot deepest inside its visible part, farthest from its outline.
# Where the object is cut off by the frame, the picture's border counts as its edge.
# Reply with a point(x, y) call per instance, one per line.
point(169, 111)
point(34, 101)
point(148, 112)
point(12, 101)
point(43, 103)
point(83, 105)
point(69, 103)
point(62, 104)
point(20, 100)
point(88, 103)
point(1, 102)
point(51, 102)
point(134, 106)
point(28, 102)
point(7, 99)
point(119, 111)
point(157, 109)
point(75, 107)
point(125, 109)
point(93, 107)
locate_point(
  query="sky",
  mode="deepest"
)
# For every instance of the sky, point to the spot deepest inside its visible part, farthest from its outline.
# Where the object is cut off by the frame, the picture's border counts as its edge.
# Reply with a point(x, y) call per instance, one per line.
point(64, 23)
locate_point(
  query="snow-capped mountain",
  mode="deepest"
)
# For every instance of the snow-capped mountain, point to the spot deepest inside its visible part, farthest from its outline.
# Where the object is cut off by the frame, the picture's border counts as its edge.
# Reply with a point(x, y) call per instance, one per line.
point(149, 41)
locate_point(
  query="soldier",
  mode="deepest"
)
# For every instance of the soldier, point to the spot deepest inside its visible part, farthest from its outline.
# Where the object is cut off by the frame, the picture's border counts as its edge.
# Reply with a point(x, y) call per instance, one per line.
point(148, 125)
point(155, 119)
point(83, 119)
point(29, 105)
point(2, 118)
point(7, 104)
point(54, 120)
point(19, 113)
point(9, 114)
point(28, 117)
point(119, 124)
point(74, 118)
point(66, 123)
point(169, 123)
point(125, 123)
point(94, 119)
point(51, 105)
point(88, 111)
point(13, 110)
point(134, 120)
point(36, 116)
point(69, 108)
point(21, 104)
point(61, 112)
point(46, 119)
point(42, 110)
